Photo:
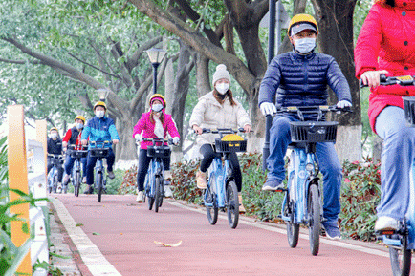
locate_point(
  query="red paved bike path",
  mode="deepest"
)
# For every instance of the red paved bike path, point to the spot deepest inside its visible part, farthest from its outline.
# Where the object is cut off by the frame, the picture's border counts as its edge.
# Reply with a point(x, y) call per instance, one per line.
point(127, 231)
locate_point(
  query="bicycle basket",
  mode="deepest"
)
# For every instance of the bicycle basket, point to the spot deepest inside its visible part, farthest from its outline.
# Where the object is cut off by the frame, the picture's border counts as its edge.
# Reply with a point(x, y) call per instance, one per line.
point(409, 110)
point(158, 151)
point(313, 131)
point(99, 152)
point(79, 153)
point(230, 145)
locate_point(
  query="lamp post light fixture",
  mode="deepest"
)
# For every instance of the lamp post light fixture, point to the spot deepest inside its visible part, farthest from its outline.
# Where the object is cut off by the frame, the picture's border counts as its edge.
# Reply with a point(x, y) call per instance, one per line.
point(156, 56)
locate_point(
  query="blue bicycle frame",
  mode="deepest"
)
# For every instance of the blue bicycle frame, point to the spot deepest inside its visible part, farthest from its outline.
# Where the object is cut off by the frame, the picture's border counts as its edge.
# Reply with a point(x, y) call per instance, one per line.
point(299, 184)
point(219, 176)
point(156, 168)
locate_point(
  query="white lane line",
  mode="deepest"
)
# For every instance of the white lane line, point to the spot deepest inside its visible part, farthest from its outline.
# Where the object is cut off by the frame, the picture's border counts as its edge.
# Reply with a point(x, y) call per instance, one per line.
point(279, 229)
point(89, 252)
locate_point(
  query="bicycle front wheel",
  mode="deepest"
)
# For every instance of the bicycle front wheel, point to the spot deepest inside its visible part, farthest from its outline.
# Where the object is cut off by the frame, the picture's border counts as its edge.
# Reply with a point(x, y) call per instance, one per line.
point(400, 260)
point(77, 183)
point(99, 186)
point(233, 204)
point(158, 195)
point(314, 216)
point(212, 205)
point(293, 229)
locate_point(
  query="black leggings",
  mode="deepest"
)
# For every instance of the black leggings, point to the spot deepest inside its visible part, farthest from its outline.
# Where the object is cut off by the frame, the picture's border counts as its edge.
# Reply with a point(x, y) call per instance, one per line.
point(143, 162)
point(209, 154)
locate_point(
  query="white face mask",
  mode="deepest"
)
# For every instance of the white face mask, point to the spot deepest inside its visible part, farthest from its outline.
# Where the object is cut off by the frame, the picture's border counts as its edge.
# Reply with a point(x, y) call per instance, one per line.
point(79, 125)
point(157, 107)
point(100, 113)
point(54, 135)
point(305, 45)
point(222, 88)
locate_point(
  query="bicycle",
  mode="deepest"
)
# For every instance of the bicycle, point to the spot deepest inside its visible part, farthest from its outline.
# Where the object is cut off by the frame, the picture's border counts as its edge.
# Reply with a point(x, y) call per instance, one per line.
point(302, 201)
point(77, 154)
point(221, 192)
point(100, 151)
point(401, 242)
point(154, 180)
point(56, 160)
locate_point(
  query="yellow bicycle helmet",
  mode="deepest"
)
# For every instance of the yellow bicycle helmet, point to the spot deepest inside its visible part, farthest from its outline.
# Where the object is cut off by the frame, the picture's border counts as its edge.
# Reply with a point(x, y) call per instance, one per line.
point(80, 118)
point(53, 128)
point(157, 97)
point(301, 22)
point(100, 103)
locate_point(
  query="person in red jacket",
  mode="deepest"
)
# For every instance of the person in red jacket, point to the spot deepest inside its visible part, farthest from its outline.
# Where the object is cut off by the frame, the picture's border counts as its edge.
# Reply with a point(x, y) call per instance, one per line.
point(73, 137)
point(386, 45)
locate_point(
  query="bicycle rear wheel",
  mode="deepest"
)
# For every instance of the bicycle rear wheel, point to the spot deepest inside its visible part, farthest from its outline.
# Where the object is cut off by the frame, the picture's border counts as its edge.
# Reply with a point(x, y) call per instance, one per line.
point(400, 260)
point(150, 198)
point(210, 197)
point(233, 204)
point(99, 186)
point(77, 183)
point(158, 196)
point(314, 216)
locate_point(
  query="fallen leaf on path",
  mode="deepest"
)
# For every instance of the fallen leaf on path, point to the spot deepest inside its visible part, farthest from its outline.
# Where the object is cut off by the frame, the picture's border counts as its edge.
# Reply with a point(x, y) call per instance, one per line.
point(95, 233)
point(168, 245)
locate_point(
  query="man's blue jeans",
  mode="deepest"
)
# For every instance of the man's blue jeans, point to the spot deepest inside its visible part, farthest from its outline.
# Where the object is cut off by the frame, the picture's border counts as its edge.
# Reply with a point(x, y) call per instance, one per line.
point(92, 161)
point(397, 155)
point(69, 163)
point(327, 159)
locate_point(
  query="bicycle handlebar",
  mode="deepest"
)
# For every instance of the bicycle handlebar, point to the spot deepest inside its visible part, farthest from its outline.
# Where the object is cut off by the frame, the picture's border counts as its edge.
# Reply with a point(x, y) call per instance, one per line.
point(169, 141)
point(94, 144)
point(73, 147)
point(224, 130)
point(319, 110)
point(405, 80)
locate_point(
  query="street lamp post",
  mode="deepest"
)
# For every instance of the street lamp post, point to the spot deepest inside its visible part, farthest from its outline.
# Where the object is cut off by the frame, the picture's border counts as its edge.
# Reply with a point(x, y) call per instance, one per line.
point(156, 56)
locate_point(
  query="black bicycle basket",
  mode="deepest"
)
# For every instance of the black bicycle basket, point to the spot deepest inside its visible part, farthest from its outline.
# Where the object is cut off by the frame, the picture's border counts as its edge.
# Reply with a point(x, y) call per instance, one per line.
point(230, 146)
point(158, 151)
point(409, 110)
point(99, 152)
point(79, 153)
point(313, 131)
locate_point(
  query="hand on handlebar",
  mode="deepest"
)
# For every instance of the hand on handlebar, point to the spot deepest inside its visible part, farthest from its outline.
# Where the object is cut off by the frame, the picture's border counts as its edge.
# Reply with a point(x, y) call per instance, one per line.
point(176, 140)
point(344, 104)
point(197, 129)
point(267, 108)
point(115, 141)
point(84, 142)
point(372, 78)
point(247, 128)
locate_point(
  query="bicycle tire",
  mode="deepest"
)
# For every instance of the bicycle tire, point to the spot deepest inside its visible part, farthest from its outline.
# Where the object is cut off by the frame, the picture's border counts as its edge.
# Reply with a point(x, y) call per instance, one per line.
point(157, 196)
point(77, 183)
point(233, 204)
point(55, 182)
point(99, 186)
point(293, 229)
point(314, 216)
point(211, 211)
point(149, 196)
point(400, 259)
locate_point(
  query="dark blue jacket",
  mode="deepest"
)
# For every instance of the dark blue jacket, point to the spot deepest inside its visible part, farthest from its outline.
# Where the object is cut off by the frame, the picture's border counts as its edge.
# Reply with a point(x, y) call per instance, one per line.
point(296, 80)
point(100, 129)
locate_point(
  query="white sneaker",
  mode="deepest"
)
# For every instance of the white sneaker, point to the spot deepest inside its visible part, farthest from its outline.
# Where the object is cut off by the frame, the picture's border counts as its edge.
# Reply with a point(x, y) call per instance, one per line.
point(386, 223)
point(140, 197)
point(59, 188)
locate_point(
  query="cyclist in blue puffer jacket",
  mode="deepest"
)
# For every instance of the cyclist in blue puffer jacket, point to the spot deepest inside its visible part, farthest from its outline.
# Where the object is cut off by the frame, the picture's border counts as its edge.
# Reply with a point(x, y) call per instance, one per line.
point(99, 128)
point(301, 78)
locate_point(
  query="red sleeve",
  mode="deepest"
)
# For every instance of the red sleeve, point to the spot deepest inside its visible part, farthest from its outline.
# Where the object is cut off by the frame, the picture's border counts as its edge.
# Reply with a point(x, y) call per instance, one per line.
point(171, 127)
point(369, 42)
point(68, 136)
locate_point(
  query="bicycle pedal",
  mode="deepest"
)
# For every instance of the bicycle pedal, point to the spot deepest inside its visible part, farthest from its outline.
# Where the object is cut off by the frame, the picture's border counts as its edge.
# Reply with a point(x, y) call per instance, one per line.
point(280, 190)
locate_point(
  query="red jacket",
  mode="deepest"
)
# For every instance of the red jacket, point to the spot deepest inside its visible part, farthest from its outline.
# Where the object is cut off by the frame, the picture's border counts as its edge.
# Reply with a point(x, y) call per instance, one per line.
point(387, 42)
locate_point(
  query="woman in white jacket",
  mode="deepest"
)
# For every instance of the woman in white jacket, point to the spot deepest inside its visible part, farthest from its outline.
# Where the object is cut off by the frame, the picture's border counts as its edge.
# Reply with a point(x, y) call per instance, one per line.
point(218, 109)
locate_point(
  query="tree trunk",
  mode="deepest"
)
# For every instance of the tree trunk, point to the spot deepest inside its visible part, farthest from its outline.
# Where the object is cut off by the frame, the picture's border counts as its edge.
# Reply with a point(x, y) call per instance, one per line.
point(202, 75)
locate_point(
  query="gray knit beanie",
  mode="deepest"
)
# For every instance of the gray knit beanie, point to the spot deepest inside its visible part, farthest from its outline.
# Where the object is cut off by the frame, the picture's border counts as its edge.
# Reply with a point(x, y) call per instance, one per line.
point(221, 73)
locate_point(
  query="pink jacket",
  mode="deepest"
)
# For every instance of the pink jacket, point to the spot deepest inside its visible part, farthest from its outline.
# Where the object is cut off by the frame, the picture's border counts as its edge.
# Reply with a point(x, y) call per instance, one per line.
point(387, 42)
point(146, 128)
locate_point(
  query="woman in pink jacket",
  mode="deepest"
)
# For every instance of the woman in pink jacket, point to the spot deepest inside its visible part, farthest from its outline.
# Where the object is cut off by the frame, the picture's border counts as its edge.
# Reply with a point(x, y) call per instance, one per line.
point(386, 45)
point(153, 124)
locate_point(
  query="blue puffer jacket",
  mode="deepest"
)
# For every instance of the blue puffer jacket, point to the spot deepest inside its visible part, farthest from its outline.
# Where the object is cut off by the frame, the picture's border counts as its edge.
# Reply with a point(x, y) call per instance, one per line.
point(297, 80)
point(100, 129)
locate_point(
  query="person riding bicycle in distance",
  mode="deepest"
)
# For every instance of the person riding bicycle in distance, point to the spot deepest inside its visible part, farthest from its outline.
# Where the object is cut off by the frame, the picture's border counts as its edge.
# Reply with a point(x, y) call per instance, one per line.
point(73, 137)
point(153, 124)
point(99, 129)
point(300, 78)
point(54, 144)
point(218, 109)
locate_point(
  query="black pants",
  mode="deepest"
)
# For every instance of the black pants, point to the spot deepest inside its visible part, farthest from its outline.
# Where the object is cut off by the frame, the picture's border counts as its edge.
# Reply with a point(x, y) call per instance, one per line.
point(143, 162)
point(209, 154)
point(58, 167)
